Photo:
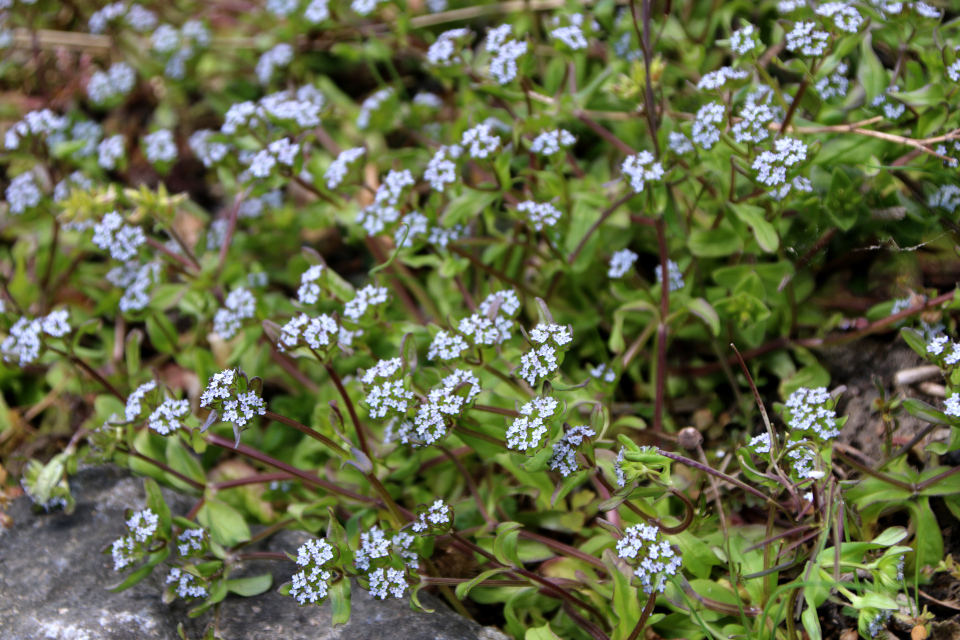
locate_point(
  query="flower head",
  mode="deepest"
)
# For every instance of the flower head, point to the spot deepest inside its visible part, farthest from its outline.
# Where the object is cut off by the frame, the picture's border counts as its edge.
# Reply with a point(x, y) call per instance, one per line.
point(809, 411)
point(643, 547)
point(564, 458)
point(527, 431)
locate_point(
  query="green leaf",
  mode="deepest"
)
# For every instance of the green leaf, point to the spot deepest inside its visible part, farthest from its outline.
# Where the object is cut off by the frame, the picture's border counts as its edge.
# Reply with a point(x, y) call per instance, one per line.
point(162, 333)
point(467, 205)
point(626, 605)
point(705, 311)
point(248, 587)
point(225, 524)
point(541, 633)
point(152, 560)
point(915, 341)
point(891, 536)
point(415, 598)
point(505, 544)
point(340, 601)
point(181, 461)
point(871, 73)
point(928, 540)
point(158, 505)
point(463, 589)
point(920, 409)
point(714, 243)
point(755, 218)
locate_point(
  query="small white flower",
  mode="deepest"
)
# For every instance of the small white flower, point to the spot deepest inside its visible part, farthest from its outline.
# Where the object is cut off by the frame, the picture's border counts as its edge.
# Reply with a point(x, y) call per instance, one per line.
point(509, 303)
point(679, 143)
point(123, 241)
point(540, 215)
point(480, 141)
point(364, 7)
point(446, 346)
point(936, 346)
point(845, 17)
point(621, 262)
point(538, 363)
point(370, 297)
point(603, 372)
point(240, 305)
point(564, 457)
point(674, 275)
point(643, 546)
point(372, 104)
point(705, 131)
point(309, 291)
point(744, 40)
point(528, 430)
point(834, 85)
point(109, 151)
point(338, 169)
point(952, 405)
point(159, 146)
point(445, 52)
point(276, 58)
point(760, 443)
point(133, 409)
point(809, 413)
point(165, 419)
point(504, 67)
point(143, 525)
point(640, 169)
point(572, 36)
point(926, 10)
point(772, 166)
point(549, 143)
point(805, 39)
point(720, 77)
point(23, 193)
point(116, 82)
point(442, 170)
point(384, 582)
point(317, 11)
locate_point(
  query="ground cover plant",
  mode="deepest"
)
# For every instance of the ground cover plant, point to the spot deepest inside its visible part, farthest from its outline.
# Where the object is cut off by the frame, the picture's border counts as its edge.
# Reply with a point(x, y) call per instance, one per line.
point(519, 303)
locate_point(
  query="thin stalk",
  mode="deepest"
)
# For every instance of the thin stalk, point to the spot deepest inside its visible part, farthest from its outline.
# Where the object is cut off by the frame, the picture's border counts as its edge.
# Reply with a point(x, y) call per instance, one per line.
point(471, 485)
point(357, 425)
point(445, 588)
point(722, 476)
point(596, 225)
point(231, 229)
point(642, 622)
point(662, 326)
point(269, 531)
point(392, 507)
point(48, 272)
point(90, 371)
point(190, 481)
point(302, 428)
point(510, 413)
point(263, 555)
point(476, 434)
point(254, 479)
point(876, 474)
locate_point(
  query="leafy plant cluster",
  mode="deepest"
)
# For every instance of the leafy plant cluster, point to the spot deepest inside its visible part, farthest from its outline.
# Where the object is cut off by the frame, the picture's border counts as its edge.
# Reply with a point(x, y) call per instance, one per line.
point(444, 284)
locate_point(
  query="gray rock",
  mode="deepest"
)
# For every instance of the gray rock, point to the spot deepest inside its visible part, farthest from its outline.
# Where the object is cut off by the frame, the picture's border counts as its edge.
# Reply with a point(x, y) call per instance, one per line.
point(53, 584)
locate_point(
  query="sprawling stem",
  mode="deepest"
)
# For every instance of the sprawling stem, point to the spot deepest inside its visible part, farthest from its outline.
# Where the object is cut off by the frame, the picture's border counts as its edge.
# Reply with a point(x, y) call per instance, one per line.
point(302, 428)
point(357, 425)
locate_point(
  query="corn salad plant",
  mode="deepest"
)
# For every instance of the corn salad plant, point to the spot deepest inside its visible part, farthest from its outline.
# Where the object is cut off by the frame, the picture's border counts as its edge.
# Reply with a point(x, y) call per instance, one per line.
point(446, 284)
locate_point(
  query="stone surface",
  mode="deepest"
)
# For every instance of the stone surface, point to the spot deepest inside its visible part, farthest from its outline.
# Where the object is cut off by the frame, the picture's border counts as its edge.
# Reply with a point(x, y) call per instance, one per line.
point(53, 584)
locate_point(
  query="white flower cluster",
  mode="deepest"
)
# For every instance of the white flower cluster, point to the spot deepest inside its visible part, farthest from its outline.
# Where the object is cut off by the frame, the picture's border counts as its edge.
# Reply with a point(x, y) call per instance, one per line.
point(549, 143)
point(310, 584)
point(564, 457)
point(23, 342)
point(142, 526)
point(116, 82)
point(799, 184)
point(674, 275)
point(40, 124)
point(891, 109)
point(705, 131)
point(618, 469)
point(430, 424)
point(446, 346)
point(370, 298)
point(372, 104)
point(134, 409)
point(527, 431)
point(374, 545)
point(640, 169)
point(442, 170)
point(803, 459)
point(364, 7)
point(222, 395)
point(276, 58)
point(508, 303)
point(834, 85)
point(572, 36)
point(772, 166)
point(240, 305)
point(384, 582)
point(297, 110)
point(385, 389)
point(191, 542)
point(135, 16)
point(541, 361)
point(603, 372)
point(165, 419)
point(808, 412)
point(621, 262)
point(136, 280)
point(179, 46)
point(263, 162)
point(760, 443)
point(540, 215)
point(717, 79)
point(445, 52)
point(23, 193)
point(384, 209)
point(845, 17)
point(947, 197)
point(309, 291)
point(805, 39)
point(643, 545)
point(121, 240)
point(110, 151)
point(507, 50)
point(186, 584)
point(952, 405)
point(159, 146)
point(339, 168)
point(679, 143)
point(744, 40)
point(480, 142)
point(756, 114)
point(438, 515)
point(318, 333)
point(75, 181)
point(482, 331)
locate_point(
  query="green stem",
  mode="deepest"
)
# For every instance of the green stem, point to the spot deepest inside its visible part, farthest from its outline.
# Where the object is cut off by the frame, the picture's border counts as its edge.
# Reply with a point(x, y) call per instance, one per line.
point(302, 428)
